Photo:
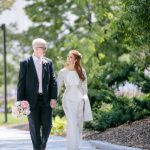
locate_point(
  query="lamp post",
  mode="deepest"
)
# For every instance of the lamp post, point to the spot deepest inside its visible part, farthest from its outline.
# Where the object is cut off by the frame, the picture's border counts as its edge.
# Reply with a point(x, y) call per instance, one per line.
point(5, 69)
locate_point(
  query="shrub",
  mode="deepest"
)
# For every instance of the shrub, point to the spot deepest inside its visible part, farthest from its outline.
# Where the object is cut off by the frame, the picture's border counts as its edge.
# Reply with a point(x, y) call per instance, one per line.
point(59, 126)
point(120, 111)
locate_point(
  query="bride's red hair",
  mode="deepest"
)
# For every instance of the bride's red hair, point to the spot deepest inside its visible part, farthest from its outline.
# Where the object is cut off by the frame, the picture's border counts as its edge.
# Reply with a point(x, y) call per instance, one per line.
point(77, 66)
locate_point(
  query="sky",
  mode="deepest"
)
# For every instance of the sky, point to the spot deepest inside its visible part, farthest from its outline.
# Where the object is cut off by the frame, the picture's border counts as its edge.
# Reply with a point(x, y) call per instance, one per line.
point(16, 14)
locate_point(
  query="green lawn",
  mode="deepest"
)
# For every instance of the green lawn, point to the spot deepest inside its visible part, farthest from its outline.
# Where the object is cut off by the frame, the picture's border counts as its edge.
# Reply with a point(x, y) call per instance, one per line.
point(12, 120)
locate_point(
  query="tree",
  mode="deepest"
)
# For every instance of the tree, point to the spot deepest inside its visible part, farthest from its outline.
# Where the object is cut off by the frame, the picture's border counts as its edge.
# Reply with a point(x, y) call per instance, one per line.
point(110, 35)
point(6, 4)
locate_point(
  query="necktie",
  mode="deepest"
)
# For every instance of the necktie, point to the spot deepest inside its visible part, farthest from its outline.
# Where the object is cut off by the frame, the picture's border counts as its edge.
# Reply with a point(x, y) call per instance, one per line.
point(40, 75)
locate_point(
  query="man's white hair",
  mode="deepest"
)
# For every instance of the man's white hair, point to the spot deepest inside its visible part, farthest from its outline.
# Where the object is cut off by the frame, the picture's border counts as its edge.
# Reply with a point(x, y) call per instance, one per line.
point(39, 42)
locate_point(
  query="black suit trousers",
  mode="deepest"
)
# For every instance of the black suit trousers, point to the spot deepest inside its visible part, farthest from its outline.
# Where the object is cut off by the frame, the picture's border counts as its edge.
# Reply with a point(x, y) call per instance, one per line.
point(40, 123)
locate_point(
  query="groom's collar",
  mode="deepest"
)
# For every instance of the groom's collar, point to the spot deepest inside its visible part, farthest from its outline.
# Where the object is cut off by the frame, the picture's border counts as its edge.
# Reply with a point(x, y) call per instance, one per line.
point(35, 58)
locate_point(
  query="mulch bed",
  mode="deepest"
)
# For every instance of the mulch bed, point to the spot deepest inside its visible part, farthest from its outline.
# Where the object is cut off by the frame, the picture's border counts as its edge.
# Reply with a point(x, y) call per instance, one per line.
point(136, 134)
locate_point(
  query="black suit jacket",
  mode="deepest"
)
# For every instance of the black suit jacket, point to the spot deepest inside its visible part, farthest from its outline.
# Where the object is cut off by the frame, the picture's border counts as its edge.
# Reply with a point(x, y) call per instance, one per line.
point(27, 88)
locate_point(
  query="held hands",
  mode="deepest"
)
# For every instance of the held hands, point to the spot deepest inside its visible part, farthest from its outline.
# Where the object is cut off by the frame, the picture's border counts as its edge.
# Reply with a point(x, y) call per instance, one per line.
point(53, 103)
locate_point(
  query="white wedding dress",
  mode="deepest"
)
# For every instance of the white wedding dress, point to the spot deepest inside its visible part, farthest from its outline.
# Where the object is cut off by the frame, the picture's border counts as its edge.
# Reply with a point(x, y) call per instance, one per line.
point(73, 106)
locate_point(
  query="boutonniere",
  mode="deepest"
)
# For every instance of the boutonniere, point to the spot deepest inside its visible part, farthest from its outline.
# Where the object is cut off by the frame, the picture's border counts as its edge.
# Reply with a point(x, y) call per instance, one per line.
point(44, 61)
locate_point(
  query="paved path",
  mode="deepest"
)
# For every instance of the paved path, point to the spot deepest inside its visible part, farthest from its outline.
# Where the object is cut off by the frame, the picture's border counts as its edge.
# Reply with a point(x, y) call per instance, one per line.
point(15, 139)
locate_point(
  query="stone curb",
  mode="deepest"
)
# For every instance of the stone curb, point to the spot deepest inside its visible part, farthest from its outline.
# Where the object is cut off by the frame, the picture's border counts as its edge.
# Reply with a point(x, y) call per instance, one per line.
point(108, 146)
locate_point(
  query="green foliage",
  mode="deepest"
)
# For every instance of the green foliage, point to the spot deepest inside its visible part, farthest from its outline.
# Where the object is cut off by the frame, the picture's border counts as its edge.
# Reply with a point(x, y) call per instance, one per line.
point(120, 111)
point(113, 37)
point(59, 126)
point(135, 22)
point(143, 102)
point(6, 4)
point(117, 31)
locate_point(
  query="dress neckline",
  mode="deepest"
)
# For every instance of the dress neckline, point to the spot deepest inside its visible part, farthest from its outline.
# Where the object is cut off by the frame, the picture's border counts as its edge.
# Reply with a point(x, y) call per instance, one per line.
point(70, 70)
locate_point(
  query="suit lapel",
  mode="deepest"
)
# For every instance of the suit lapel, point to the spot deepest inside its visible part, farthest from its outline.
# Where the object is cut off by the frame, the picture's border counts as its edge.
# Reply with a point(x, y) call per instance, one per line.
point(33, 67)
point(44, 68)
point(43, 71)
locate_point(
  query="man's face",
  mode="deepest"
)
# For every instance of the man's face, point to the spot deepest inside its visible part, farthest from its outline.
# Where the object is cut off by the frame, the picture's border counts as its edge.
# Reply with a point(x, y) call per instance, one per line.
point(39, 51)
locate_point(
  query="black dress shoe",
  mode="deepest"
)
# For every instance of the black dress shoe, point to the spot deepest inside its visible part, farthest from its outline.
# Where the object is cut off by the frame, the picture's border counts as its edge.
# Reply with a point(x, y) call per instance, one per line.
point(42, 148)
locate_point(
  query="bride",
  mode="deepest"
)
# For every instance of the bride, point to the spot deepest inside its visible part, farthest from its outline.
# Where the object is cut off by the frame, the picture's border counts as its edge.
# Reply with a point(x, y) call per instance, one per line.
point(75, 100)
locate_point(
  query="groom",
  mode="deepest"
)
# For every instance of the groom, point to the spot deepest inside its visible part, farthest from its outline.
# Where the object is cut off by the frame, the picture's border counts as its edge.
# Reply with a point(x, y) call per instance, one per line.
point(37, 85)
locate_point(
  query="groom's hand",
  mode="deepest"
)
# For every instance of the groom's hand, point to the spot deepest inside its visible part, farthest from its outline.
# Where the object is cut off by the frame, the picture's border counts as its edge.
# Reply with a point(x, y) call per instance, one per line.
point(53, 103)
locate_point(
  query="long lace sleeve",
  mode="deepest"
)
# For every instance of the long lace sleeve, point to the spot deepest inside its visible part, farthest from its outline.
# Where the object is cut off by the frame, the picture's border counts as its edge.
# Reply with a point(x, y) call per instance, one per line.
point(84, 83)
point(87, 113)
point(59, 82)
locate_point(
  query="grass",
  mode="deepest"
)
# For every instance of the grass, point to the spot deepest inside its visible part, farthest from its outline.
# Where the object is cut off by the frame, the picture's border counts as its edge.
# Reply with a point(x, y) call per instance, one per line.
point(12, 120)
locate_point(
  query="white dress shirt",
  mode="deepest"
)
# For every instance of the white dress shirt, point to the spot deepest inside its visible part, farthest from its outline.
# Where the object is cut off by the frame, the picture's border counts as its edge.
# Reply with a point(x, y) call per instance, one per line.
point(35, 60)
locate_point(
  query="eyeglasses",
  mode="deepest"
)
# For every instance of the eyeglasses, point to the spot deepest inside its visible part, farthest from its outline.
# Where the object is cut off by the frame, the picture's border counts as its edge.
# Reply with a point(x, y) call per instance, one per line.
point(44, 48)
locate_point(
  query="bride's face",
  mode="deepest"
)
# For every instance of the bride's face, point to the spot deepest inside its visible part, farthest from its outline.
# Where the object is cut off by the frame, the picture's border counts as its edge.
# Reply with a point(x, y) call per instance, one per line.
point(71, 59)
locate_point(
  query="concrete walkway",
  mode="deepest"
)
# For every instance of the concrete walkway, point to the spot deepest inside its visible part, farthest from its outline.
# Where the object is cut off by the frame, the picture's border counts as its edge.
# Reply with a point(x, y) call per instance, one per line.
point(15, 139)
